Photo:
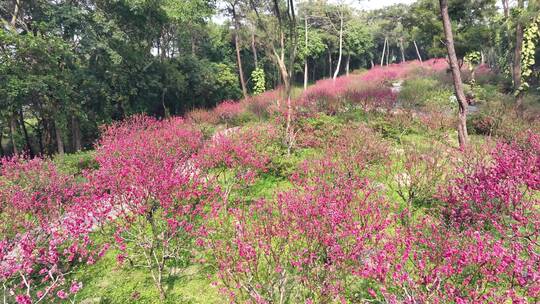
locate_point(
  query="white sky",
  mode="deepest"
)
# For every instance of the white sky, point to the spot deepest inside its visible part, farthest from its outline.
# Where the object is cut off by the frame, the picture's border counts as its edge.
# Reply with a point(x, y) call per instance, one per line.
point(376, 4)
point(360, 4)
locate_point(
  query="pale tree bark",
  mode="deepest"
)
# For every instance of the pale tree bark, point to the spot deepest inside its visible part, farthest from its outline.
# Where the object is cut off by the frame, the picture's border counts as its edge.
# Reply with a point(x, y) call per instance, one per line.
point(383, 50)
point(456, 74)
point(348, 64)
point(340, 46)
point(417, 51)
point(15, 13)
point(237, 46)
point(305, 55)
point(506, 8)
point(516, 70)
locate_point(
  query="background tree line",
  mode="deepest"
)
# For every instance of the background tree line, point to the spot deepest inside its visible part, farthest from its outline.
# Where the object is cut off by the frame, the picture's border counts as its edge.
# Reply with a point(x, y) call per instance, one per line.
point(68, 66)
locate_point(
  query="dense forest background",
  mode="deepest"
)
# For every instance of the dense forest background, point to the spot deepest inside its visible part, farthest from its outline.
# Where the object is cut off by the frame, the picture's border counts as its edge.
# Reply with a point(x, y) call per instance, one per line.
point(69, 66)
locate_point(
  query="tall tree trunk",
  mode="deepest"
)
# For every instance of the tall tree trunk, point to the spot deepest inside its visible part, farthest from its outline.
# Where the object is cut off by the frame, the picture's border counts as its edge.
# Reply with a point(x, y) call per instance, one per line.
point(39, 132)
point(12, 135)
point(340, 47)
point(15, 13)
point(305, 55)
point(2, 152)
point(506, 8)
point(193, 46)
point(59, 140)
point(25, 133)
point(329, 63)
point(482, 57)
point(417, 51)
point(76, 129)
point(456, 74)
point(387, 52)
point(383, 51)
point(372, 64)
point(238, 57)
point(516, 71)
point(402, 49)
point(348, 64)
point(254, 50)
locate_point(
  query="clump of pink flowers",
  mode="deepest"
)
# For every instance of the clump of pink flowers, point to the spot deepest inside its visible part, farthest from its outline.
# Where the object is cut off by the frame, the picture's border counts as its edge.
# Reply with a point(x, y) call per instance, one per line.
point(303, 244)
point(44, 230)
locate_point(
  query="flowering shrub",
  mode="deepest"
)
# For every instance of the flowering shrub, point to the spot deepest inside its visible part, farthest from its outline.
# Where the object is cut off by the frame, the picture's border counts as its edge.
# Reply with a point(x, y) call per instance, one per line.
point(372, 97)
point(200, 116)
point(417, 175)
point(152, 187)
point(317, 131)
point(502, 191)
point(357, 147)
point(44, 231)
point(303, 245)
point(484, 247)
point(236, 157)
point(229, 112)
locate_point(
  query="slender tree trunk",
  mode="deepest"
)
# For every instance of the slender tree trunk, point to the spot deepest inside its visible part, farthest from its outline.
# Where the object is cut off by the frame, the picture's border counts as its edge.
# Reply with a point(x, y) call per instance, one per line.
point(330, 64)
point(238, 57)
point(15, 13)
point(387, 53)
point(59, 141)
point(76, 129)
point(2, 152)
point(482, 57)
point(12, 135)
point(305, 55)
point(372, 64)
point(402, 49)
point(193, 46)
point(516, 71)
point(383, 51)
point(417, 51)
point(254, 50)
point(458, 85)
point(340, 48)
point(39, 132)
point(348, 64)
point(25, 133)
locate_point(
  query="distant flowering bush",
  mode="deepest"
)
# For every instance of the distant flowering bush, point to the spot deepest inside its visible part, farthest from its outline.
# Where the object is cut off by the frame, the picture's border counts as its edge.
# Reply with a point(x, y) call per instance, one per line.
point(229, 112)
point(356, 147)
point(151, 184)
point(372, 97)
point(44, 231)
point(235, 157)
point(200, 116)
point(303, 245)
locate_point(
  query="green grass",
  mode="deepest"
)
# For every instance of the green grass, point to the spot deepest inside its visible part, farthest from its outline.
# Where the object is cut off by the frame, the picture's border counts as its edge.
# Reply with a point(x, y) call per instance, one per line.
point(107, 282)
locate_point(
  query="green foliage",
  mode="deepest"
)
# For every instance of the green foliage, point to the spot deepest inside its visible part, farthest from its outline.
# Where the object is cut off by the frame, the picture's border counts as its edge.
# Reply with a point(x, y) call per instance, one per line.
point(75, 163)
point(421, 92)
point(531, 36)
point(259, 81)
